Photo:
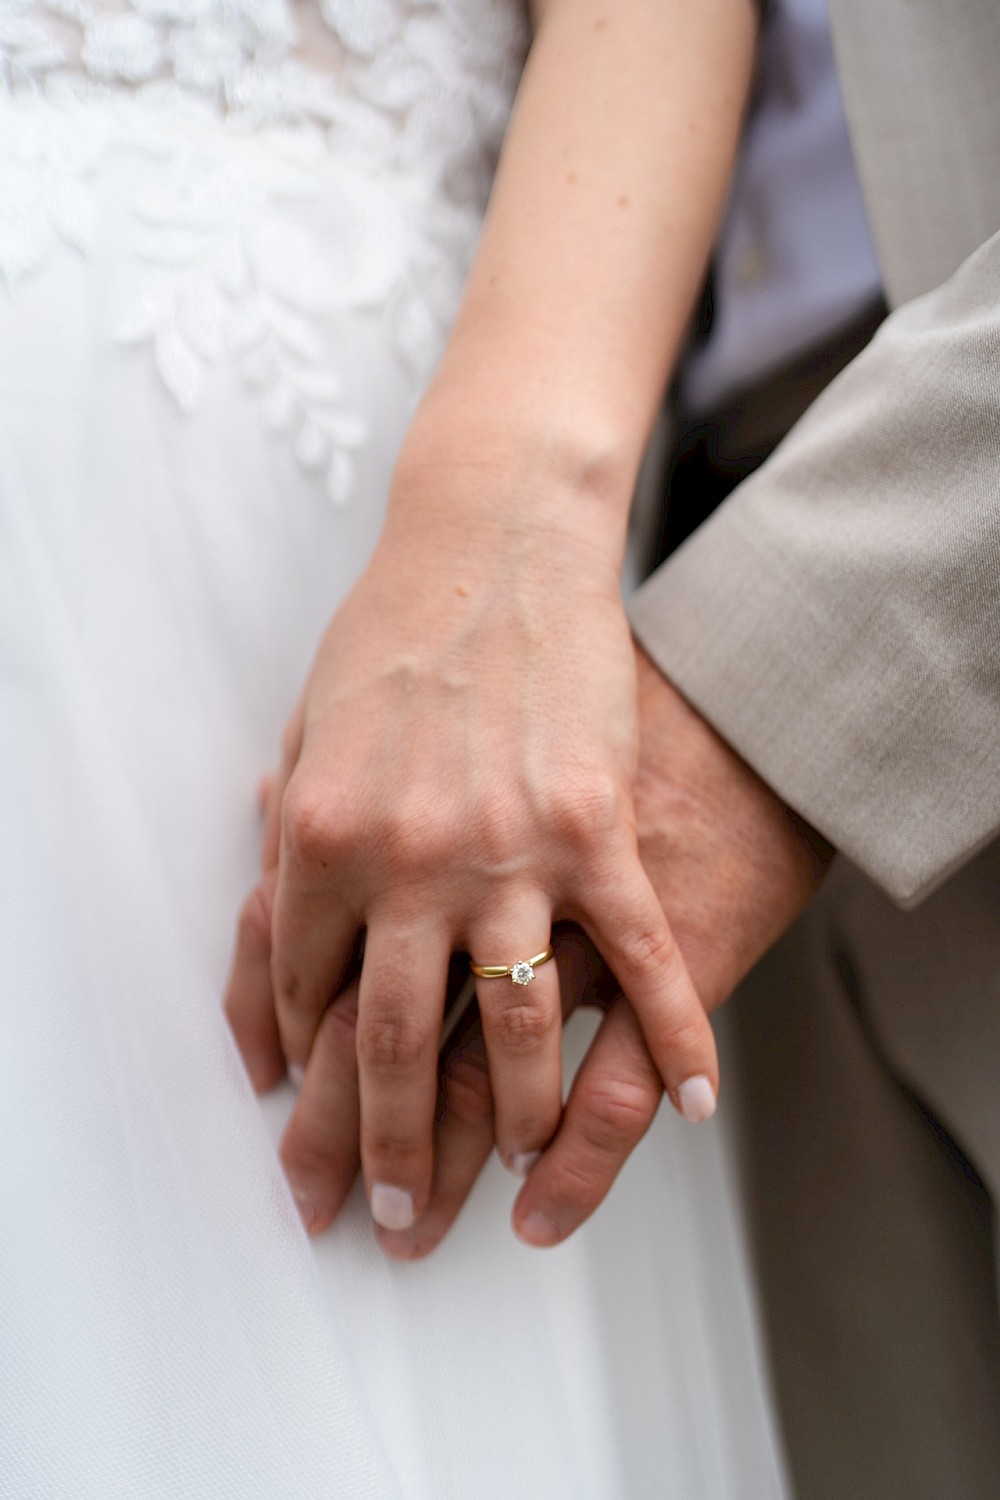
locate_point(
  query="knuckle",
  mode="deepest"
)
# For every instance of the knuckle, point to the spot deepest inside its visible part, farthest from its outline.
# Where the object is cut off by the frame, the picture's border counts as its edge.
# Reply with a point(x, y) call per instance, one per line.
point(417, 836)
point(311, 831)
point(577, 1181)
point(396, 1156)
point(688, 1035)
point(305, 1155)
point(585, 809)
point(523, 1025)
point(616, 1113)
point(648, 952)
point(393, 1040)
point(467, 1093)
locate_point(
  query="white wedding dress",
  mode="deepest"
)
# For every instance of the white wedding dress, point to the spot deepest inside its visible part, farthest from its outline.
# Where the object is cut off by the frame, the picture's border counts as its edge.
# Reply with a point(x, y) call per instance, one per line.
point(232, 235)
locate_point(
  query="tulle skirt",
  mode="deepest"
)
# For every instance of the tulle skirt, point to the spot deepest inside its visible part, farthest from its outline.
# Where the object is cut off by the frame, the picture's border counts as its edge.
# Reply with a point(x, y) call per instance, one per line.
point(173, 537)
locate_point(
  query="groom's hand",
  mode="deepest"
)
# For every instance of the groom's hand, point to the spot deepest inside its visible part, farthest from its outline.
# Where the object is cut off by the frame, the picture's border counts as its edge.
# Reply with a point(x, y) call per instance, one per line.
point(732, 868)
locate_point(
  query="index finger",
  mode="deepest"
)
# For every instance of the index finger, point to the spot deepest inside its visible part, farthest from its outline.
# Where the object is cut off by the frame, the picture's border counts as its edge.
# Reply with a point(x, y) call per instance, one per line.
point(612, 1103)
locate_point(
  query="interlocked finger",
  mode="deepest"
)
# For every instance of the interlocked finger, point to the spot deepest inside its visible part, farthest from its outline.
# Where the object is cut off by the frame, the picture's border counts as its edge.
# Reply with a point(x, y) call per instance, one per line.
point(313, 935)
point(320, 1149)
point(249, 1000)
point(611, 1105)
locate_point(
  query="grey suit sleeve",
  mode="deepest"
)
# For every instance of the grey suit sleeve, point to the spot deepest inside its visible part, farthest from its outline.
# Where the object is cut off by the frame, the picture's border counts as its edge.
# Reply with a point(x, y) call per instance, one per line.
point(838, 619)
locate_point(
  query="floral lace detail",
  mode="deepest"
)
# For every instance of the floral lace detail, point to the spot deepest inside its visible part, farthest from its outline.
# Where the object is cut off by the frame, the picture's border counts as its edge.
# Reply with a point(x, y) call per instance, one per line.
point(432, 77)
point(226, 273)
point(45, 189)
point(238, 131)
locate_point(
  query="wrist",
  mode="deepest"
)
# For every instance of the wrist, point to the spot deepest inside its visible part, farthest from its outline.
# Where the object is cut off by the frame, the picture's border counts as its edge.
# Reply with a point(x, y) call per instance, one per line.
point(481, 458)
point(724, 853)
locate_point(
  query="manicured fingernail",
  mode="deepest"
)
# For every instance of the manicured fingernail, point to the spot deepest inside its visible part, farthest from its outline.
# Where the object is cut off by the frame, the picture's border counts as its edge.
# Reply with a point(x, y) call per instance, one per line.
point(308, 1212)
point(296, 1075)
point(392, 1207)
point(696, 1098)
point(519, 1162)
point(537, 1229)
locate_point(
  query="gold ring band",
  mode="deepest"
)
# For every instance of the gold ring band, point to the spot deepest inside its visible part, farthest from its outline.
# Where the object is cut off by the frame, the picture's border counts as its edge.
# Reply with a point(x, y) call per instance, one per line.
point(521, 972)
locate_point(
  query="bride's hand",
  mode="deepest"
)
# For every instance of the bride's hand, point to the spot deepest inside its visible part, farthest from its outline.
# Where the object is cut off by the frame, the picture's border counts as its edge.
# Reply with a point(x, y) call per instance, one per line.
point(460, 771)
point(458, 775)
point(734, 868)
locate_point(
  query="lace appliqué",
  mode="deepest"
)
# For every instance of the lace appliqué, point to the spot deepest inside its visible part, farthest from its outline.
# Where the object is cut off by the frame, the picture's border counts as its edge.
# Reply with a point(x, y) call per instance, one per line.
point(427, 81)
point(46, 196)
point(237, 131)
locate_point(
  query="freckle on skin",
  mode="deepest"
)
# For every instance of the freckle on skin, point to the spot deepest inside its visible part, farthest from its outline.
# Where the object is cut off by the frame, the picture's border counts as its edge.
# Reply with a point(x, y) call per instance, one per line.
point(601, 24)
point(624, 201)
point(572, 177)
point(462, 590)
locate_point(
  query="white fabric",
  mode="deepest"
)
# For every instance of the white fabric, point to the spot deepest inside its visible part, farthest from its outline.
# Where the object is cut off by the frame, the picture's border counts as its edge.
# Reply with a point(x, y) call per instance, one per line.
point(795, 260)
point(170, 547)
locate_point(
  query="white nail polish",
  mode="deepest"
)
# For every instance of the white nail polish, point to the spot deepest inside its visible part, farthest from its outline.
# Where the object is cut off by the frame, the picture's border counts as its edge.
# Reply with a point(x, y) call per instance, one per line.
point(296, 1075)
point(392, 1207)
point(696, 1098)
point(520, 1162)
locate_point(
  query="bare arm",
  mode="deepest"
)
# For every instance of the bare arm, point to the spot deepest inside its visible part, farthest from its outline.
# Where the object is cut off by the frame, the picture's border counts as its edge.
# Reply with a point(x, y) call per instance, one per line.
point(605, 206)
point(459, 772)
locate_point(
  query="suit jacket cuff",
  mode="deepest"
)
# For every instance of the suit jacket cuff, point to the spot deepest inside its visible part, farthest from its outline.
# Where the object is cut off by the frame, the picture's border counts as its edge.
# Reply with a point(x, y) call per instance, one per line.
point(731, 627)
point(838, 619)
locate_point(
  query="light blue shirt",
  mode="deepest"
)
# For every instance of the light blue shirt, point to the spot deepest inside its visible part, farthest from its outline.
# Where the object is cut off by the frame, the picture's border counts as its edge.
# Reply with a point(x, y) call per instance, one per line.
point(795, 260)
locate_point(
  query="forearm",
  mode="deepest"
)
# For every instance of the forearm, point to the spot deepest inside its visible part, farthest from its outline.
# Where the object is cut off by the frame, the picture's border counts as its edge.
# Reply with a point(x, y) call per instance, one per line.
point(604, 209)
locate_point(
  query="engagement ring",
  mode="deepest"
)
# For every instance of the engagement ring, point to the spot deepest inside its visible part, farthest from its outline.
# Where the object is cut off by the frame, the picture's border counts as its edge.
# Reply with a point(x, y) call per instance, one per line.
point(521, 972)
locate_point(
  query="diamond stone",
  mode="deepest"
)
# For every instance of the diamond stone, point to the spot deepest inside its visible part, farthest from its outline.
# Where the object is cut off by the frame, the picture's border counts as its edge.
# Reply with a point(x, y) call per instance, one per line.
point(522, 973)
